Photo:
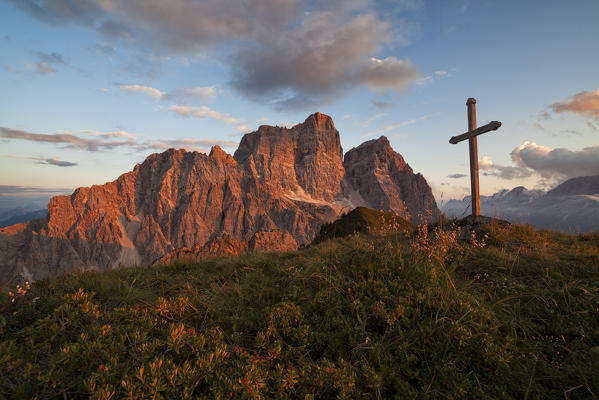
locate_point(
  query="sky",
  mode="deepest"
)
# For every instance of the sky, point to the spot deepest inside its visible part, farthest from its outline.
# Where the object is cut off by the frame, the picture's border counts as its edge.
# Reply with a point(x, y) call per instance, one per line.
point(92, 87)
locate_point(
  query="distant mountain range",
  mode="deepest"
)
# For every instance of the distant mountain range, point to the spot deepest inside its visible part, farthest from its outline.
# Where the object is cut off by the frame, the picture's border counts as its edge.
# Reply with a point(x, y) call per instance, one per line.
point(278, 188)
point(571, 207)
point(17, 216)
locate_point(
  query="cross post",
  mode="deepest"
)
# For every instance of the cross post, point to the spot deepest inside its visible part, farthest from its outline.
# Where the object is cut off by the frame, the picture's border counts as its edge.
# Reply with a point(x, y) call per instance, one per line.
point(471, 135)
point(472, 145)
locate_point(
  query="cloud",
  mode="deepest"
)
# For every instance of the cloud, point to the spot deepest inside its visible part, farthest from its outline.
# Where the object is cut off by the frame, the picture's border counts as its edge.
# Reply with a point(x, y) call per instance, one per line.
point(108, 141)
point(201, 145)
point(456, 176)
point(61, 11)
point(31, 190)
point(389, 73)
point(106, 135)
point(448, 29)
point(286, 53)
point(323, 56)
point(559, 163)
point(427, 79)
point(44, 69)
point(69, 140)
point(52, 161)
point(176, 25)
point(583, 103)
point(204, 112)
point(591, 126)
point(409, 4)
point(46, 61)
point(103, 49)
point(382, 104)
point(147, 90)
point(399, 125)
point(489, 168)
point(374, 117)
point(50, 58)
point(197, 91)
point(180, 94)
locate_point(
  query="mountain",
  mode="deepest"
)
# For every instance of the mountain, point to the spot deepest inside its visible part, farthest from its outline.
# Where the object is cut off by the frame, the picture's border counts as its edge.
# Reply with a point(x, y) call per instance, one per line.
point(571, 207)
point(279, 179)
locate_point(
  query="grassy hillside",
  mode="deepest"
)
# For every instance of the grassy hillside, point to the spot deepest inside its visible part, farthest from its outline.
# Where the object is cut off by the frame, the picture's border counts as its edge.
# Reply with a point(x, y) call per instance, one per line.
point(513, 314)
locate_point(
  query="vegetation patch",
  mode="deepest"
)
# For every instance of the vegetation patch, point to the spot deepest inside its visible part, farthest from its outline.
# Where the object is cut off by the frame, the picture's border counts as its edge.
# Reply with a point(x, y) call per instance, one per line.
point(362, 219)
point(513, 314)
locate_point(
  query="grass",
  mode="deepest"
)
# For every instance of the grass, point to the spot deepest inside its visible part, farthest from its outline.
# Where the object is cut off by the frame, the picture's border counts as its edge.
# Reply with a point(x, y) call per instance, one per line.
point(362, 219)
point(392, 314)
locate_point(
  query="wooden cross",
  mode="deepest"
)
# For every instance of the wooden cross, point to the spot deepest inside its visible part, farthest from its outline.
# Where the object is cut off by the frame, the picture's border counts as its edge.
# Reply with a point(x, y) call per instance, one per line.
point(471, 135)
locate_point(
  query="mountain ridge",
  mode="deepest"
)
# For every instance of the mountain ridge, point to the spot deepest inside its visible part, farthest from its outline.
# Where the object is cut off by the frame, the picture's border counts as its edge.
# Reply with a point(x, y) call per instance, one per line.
point(571, 207)
point(279, 179)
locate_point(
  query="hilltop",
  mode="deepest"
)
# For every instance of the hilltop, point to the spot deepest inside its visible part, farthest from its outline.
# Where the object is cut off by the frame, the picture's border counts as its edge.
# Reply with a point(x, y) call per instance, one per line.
point(414, 313)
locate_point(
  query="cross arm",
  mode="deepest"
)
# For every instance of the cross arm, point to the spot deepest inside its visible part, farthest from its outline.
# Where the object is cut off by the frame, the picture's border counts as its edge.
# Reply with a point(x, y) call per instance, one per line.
point(491, 126)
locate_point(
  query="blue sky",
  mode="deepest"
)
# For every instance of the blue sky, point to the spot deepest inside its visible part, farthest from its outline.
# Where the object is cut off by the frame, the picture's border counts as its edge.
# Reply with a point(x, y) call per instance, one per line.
point(92, 87)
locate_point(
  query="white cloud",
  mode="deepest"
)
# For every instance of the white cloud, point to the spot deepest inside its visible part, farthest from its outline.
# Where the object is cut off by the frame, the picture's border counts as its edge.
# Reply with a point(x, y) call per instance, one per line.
point(198, 91)
point(147, 90)
point(181, 94)
point(205, 112)
point(559, 163)
point(489, 168)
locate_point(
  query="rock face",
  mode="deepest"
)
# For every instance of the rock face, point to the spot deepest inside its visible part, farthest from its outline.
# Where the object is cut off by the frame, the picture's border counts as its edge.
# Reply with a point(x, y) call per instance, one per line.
point(386, 182)
point(276, 191)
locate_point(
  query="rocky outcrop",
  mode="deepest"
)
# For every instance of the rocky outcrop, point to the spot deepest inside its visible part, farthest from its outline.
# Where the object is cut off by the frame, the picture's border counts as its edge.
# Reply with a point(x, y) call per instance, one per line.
point(282, 182)
point(276, 240)
point(225, 245)
point(386, 182)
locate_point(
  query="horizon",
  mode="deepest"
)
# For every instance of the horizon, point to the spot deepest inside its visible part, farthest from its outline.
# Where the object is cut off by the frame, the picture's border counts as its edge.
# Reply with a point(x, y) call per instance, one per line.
point(93, 89)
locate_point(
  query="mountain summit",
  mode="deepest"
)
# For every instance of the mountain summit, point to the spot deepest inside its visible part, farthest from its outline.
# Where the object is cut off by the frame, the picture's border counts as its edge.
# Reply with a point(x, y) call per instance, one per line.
point(279, 179)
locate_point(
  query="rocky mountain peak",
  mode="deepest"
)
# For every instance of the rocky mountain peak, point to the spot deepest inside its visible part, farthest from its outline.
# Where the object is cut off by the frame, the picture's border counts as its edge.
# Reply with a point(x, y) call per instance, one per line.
point(575, 186)
point(319, 121)
point(306, 158)
point(387, 182)
point(219, 154)
point(377, 152)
